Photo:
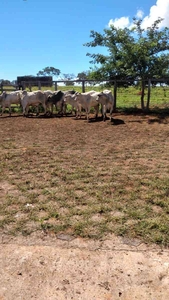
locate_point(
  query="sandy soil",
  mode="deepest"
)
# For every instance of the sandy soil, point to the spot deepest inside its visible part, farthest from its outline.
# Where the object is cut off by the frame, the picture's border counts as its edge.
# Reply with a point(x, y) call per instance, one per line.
point(65, 268)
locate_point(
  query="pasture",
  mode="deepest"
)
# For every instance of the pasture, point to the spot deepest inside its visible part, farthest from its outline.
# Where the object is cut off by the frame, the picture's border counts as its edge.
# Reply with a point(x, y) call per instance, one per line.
point(62, 175)
point(127, 98)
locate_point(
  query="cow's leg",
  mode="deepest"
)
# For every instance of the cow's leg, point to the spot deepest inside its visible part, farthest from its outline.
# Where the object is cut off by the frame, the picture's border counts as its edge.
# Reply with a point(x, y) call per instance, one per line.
point(97, 111)
point(37, 110)
point(74, 111)
point(104, 112)
point(78, 111)
point(111, 111)
point(87, 114)
point(3, 109)
point(101, 108)
point(25, 110)
point(49, 108)
point(10, 110)
point(78, 114)
point(64, 108)
point(61, 111)
point(44, 107)
point(52, 107)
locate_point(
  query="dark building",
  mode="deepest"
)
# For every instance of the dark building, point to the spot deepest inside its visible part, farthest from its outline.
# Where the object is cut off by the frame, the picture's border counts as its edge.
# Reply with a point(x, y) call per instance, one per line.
point(27, 81)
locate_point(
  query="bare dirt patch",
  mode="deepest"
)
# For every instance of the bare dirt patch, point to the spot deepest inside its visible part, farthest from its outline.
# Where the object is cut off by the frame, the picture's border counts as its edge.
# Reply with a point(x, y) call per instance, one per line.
point(82, 206)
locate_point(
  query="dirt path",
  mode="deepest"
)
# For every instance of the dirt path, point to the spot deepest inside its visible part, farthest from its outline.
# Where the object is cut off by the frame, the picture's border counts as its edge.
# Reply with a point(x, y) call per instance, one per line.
point(61, 268)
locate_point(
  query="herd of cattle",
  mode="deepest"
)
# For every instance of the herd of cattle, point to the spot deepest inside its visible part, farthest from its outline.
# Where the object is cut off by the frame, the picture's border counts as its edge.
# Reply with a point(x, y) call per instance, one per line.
point(48, 99)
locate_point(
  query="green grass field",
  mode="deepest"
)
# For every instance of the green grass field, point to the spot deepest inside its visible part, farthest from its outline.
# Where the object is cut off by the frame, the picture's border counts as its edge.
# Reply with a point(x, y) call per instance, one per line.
point(130, 97)
point(126, 97)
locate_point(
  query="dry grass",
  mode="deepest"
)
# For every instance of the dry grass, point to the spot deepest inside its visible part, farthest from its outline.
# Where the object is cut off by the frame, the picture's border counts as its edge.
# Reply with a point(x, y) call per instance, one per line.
point(86, 179)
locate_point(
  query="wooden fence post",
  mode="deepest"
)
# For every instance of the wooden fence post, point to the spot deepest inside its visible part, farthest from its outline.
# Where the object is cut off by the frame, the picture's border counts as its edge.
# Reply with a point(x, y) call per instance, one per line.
point(2, 87)
point(39, 85)
point(115, 95)
point(23, 84)
point(30, 87)
point(83, 86)
point(56, 86)
point(148, 94)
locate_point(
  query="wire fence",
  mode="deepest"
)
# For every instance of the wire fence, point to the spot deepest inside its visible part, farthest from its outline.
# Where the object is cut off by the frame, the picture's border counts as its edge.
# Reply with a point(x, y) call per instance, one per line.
point(126, 93)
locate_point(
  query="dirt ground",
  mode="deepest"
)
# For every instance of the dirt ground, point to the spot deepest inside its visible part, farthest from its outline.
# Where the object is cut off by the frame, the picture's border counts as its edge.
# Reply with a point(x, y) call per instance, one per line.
point(57, 267)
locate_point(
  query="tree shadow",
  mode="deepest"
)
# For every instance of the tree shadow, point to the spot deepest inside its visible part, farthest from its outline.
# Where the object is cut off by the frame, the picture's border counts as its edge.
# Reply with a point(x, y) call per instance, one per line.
point(154, 115)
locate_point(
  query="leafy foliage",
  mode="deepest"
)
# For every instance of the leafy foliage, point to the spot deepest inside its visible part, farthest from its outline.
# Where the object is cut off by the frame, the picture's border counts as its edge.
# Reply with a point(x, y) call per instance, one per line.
point(83, 75)
point(134, 53)
point(138, 52)
point(49, 71)
point(68, 79)
point(4, 81)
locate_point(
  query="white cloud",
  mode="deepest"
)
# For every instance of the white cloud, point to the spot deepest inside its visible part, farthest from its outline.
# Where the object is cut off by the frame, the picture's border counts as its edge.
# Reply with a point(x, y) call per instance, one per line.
point(160, 9)
point(139, 14)
point(120, 23)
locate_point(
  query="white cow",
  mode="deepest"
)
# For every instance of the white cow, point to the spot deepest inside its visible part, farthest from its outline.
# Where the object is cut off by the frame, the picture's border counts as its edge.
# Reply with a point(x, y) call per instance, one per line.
point(106, 100)
point(47, 93)
point(86, 101)
point(33, 99)
point(71, 100)
point(7, 99)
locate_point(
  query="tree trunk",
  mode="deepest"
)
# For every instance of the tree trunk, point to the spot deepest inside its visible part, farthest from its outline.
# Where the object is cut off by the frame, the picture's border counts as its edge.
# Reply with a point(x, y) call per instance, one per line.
point(142, 94)
point(115, 95)
point(148, 95)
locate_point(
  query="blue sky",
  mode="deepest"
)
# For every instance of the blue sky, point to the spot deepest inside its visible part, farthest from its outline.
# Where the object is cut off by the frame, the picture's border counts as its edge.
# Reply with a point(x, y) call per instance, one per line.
point(40, 33)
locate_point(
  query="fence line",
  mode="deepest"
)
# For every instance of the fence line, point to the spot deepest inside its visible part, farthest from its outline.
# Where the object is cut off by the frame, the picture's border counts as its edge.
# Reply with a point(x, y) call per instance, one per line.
point(115, 83)
point(39, 84)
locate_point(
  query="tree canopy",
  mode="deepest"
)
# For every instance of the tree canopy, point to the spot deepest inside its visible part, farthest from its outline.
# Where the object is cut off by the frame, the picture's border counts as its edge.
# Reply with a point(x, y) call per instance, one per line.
point(68, 79)
point(134, 52)
point(49, 71)
point(83, 75)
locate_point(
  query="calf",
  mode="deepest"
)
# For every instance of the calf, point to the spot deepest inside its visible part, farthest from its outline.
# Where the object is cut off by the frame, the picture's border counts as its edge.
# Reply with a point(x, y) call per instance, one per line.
point(7, 99)
point(70, 99)
point(63, 102)
point(106, 100)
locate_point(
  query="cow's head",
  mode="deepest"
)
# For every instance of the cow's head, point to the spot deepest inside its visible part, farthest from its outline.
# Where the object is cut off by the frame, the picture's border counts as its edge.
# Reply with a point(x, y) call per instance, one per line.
point(101, 97)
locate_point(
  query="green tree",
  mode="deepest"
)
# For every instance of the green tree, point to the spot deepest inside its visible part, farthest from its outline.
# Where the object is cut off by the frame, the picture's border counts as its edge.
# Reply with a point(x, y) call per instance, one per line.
point(132, 53)
point(68, 79)
point(49, 71)
point(88, 75)
point(83, 75)
point(5, 81)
